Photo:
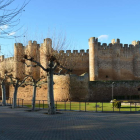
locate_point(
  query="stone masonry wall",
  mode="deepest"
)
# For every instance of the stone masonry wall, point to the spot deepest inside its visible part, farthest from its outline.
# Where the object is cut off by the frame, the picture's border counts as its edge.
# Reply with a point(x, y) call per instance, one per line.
point(76, 88)
point(102, 90)
point(114, 61)
point(77, 61)
point(79, 90)
point(66, 87)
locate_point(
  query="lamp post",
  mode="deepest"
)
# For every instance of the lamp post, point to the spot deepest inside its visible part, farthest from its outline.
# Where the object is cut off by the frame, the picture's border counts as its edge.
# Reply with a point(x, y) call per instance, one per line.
point(112, 90)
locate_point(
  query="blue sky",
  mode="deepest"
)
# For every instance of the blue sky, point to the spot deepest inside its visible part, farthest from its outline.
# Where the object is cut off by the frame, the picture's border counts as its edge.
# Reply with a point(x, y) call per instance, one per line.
point(79, 20)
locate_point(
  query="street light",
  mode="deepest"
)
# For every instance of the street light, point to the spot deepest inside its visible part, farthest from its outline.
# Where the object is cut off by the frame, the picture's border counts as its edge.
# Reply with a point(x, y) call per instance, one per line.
point(112, 90)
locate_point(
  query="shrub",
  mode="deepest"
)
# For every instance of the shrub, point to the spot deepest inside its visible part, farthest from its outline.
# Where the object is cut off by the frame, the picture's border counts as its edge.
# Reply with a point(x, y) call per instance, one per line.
point(116, 104)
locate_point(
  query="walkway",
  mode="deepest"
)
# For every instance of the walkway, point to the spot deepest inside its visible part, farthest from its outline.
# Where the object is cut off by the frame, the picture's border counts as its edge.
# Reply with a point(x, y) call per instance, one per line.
point(18, 124)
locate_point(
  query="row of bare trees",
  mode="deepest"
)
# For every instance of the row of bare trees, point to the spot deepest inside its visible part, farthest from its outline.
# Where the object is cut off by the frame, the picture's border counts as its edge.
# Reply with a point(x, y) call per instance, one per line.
point(56, 63)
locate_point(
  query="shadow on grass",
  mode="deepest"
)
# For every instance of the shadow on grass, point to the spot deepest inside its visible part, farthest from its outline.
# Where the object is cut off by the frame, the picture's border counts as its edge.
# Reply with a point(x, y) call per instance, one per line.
point(129, 107)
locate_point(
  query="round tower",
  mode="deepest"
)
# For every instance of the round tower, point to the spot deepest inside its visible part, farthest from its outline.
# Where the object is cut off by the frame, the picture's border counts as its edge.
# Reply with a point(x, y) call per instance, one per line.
point(136, 60)
point(19, 67)
point(93, 53)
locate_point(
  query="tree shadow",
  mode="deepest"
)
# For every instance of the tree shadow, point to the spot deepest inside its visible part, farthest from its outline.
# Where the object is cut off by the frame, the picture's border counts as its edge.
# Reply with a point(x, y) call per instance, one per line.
point(130, 107)
point(30, 110)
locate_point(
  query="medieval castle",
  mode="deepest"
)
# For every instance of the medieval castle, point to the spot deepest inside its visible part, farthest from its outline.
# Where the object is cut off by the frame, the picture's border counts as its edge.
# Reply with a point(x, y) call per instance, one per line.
point(95, 71)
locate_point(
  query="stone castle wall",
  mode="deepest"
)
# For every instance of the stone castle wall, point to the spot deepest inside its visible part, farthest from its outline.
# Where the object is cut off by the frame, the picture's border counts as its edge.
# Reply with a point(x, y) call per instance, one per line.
point(102, 90)
point(66, 87)
point(104, 62)
point(6, 64)
point(78, 61)
point(114, 61)
point(79, 88)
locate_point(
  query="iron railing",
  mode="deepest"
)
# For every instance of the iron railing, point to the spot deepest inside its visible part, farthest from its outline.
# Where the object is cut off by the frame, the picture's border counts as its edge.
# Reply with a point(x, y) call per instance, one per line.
point(79, 106)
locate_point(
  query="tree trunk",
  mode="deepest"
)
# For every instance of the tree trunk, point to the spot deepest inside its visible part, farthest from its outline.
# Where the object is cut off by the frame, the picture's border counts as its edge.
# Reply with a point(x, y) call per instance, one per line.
point(14, 105)
point(34, 96)
point(3, 94)
point(51, 105)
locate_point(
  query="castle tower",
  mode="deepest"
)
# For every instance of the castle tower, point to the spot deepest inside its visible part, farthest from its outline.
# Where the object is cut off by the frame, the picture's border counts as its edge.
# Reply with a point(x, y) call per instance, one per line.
point(45, 49)
point(116, 59)
point(136, 60)
point(32, 50)
point(19, 67)
point(93, 57)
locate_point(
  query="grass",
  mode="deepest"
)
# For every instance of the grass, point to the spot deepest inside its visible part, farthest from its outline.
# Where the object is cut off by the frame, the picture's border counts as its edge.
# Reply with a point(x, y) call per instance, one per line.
point(88, 106)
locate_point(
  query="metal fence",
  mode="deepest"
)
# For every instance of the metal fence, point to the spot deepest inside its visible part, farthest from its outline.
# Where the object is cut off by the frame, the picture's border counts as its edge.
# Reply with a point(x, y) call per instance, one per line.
point(79, 106)
point(98, 106)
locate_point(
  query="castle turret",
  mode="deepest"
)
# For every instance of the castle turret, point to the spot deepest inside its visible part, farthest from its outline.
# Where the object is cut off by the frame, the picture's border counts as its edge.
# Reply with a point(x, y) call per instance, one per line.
point(136, 59)
point(45, 49)
point(33, 51)
point(116, 59)
point(19, 67)
point(93, 55)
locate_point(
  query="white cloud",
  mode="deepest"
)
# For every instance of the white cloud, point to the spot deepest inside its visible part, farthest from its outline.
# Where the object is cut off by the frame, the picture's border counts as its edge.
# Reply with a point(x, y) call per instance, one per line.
point(12, 33)
point(4, 27)
point(103, 37)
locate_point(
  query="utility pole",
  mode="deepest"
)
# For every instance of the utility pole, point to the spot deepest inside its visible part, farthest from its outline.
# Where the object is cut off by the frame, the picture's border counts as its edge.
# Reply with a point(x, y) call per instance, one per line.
point(112, 89)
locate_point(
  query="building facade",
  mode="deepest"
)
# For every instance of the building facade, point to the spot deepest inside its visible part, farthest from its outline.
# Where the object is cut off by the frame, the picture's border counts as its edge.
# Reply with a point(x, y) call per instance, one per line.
point(101, 65)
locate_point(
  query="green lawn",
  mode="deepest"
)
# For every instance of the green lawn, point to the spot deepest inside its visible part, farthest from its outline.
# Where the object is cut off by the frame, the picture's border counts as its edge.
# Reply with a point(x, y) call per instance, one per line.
point(88, 106)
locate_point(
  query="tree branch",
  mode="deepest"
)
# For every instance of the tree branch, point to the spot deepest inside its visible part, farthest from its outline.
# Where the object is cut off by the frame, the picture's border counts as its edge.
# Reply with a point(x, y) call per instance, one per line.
point(23, 81)
point(68, 70)
point(55, 66)
point(37, 63)
point(42, 83)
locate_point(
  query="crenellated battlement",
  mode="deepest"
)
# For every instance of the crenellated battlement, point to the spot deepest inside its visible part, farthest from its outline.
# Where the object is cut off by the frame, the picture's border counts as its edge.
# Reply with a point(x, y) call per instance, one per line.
point(6, 59)
point(115, 46)
point(47, 42)
point(115, 42)
point(18, 45)
point(9, 59)
point(74, 52)
point(93, 40)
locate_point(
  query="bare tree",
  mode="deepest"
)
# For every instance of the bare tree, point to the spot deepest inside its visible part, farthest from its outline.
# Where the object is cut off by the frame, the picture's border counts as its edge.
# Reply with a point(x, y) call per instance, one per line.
point(3, 80)
point(35, 83)
point(10, 18)
point(54, 60)
point(17, 82)
point(49, 71)
point(3, 90)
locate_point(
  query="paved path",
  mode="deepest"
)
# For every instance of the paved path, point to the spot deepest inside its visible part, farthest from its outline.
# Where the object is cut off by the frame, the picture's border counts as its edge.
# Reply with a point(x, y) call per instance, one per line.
point(18, 124)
